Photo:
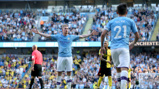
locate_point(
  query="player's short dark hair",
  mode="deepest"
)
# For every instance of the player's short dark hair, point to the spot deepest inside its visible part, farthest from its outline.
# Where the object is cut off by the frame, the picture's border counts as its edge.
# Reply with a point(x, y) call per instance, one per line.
point(122, 8)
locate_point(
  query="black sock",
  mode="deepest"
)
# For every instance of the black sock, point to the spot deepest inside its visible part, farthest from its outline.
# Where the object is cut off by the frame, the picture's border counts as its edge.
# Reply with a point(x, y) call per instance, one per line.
point(41, 83)
point(32, 81)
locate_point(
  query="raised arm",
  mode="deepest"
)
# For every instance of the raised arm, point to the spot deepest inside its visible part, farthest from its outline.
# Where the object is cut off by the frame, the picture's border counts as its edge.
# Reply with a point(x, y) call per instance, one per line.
point(40, 33)
point(91, 34)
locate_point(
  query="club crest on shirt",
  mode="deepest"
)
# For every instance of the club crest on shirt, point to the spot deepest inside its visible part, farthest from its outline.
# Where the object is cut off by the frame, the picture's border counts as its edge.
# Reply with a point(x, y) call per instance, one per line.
point(68, 38)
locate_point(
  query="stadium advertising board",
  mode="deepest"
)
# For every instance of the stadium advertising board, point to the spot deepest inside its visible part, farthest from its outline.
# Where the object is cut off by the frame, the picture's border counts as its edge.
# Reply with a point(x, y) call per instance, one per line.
point(74, 44)
point(154, 43)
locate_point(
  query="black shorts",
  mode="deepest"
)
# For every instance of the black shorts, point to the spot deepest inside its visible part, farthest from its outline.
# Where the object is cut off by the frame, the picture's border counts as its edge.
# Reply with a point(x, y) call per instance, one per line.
point(37, 70)
point(128, 79)
point(104, 71)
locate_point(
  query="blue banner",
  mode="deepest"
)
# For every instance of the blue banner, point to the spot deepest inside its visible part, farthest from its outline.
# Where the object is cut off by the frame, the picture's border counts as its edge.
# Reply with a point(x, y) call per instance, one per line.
point(74, 44)
point(47, 44)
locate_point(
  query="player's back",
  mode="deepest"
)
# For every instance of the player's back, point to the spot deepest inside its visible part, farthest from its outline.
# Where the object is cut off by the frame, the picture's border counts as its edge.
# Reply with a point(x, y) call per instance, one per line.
point(120, 30)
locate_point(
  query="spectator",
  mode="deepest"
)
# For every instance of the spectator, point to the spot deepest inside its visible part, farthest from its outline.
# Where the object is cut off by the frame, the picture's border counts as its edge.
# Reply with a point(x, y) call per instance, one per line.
point(10, 73)
point(75, 23)
point(16, 26)
point(86, 69)
point(145, 21)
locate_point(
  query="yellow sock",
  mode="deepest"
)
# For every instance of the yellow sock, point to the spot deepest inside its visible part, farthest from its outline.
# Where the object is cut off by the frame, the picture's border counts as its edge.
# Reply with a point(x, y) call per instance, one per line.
point(129, 85)
point(110, 81)
point(99, 81)
point(65, 87)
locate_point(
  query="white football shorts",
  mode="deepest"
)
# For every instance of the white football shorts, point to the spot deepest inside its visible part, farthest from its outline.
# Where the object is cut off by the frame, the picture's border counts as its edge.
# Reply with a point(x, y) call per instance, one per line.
point(121, 57)
point(64, 64)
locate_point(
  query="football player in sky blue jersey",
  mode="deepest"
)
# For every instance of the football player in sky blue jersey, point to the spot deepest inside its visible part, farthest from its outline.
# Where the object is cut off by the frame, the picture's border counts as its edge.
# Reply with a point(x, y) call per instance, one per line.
point(120, 28)
point(65, 61)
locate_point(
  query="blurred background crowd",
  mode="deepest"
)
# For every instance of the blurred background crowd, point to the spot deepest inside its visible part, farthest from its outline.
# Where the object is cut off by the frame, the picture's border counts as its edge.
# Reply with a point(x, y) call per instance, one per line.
point(85, 69)
point(144, 19)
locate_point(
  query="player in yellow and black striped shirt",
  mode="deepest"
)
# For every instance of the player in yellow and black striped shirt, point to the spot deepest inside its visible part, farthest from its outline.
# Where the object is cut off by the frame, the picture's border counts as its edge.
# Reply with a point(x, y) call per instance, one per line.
point(129, 77)
point(105, 65)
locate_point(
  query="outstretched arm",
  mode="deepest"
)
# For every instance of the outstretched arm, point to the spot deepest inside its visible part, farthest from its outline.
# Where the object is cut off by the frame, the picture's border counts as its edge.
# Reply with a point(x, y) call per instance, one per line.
point(84, 36)
point(91, 34)
point(40, 33)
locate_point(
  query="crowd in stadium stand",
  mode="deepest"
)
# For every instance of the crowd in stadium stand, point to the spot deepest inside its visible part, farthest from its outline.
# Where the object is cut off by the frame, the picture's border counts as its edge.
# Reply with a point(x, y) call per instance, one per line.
point(85, 71)
point(16, 26)
point(75, 23)
point(144, 19)
point(12, 70)
point(100, 19)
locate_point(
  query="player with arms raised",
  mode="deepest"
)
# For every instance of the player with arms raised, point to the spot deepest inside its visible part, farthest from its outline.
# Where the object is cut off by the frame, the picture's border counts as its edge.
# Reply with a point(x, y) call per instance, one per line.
point(65, 60)
point(120, 28)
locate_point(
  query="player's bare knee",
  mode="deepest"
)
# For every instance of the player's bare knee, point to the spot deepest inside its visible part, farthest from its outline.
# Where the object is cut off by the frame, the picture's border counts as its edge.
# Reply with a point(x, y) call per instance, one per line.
point(59, 73)
point(32, 77)
point(101, 77)
point(69, 73)
point(118, 70)
point(124, 69)
point(39, 77)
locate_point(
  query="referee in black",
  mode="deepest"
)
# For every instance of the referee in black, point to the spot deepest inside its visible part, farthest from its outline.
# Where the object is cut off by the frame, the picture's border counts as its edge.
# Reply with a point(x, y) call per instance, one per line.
point(37, 60)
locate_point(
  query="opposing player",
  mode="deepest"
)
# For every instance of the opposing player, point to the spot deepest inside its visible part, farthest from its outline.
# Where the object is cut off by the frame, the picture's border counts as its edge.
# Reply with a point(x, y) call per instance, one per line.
point(37, 60)
point(120, 28)
point(129, 77)
point(105, 65)
point(65, 60)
